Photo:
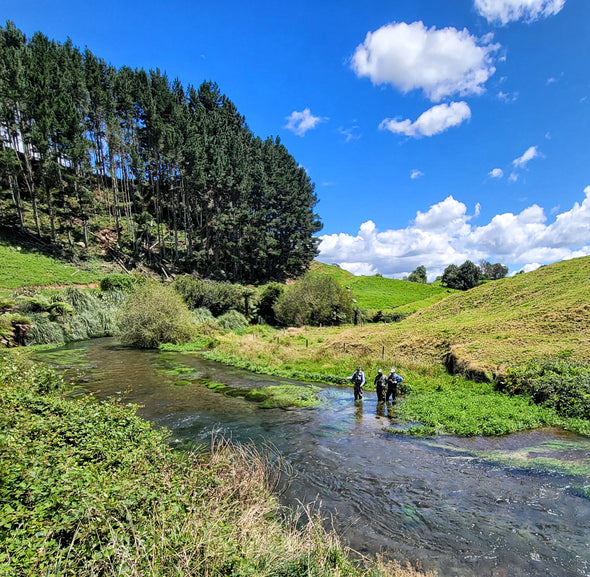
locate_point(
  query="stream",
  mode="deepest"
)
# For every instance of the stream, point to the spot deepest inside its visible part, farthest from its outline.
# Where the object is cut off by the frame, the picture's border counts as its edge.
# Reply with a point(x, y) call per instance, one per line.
point(513, 506)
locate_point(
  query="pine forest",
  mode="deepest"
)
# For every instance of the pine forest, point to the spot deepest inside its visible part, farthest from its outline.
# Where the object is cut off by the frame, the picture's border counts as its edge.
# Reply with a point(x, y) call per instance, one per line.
point(173, 173)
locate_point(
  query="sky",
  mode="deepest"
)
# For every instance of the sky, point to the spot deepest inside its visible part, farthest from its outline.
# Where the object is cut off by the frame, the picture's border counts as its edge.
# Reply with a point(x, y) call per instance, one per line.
point(434, 132)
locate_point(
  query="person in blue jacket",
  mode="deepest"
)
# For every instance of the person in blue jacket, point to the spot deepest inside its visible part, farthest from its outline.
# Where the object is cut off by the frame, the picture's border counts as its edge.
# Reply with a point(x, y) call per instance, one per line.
point(393, 381)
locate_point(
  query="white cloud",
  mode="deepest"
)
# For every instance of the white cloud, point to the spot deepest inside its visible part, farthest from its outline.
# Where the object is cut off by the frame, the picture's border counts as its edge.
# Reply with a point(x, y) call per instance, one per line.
point(444, 234)
point(440, 62)
point(301, 122)
point(529, 154)
point(414, 174)
point(496, 173)
point(350, 134)
point(504, 11)
point(508, 96)
point(434, 121)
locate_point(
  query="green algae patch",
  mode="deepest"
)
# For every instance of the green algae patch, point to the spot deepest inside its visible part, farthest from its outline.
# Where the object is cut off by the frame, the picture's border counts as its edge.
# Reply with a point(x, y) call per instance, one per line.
point(272, 397)
point(285, 396)
point(562, 457)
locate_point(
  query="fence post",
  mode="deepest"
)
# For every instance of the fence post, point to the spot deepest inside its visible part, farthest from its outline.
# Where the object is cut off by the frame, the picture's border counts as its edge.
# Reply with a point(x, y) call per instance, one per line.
point(383, 353)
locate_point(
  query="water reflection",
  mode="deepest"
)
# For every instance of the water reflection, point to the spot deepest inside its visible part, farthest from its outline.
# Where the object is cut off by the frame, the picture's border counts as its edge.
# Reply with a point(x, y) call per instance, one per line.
point(464, 507)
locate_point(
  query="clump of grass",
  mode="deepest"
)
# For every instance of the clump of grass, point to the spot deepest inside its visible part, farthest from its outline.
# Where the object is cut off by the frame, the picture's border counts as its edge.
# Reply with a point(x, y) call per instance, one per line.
point(72, 314)
point(232, 320)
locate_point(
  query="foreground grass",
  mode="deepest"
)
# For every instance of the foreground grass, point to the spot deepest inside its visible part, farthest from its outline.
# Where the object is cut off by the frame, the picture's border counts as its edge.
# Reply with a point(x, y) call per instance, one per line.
point(91, 489)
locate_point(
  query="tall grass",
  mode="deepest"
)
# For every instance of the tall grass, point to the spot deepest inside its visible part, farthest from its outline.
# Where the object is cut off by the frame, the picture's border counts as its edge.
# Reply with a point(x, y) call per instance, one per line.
point(91, 314)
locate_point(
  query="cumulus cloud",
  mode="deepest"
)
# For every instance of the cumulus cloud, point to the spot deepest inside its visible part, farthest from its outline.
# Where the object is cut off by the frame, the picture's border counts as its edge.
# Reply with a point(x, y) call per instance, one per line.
point(496, 173)
point(440, 62)
point(444, 234)
point(434, 121)
point(504, 11)
point(529, 154)
point(301, 122)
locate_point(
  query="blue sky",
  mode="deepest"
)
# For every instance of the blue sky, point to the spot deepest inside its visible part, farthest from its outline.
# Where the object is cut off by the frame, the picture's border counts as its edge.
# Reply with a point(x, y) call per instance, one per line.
point(434, 132)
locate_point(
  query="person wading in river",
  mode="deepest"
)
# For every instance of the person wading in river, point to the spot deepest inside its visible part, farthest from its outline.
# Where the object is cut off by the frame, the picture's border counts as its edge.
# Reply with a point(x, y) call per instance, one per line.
point(380, 383)
point(358, 380)
point(393, 380)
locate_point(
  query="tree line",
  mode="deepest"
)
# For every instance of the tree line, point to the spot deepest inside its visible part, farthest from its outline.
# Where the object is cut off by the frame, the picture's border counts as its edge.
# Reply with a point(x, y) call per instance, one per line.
point(175, 172)
point(463, 277)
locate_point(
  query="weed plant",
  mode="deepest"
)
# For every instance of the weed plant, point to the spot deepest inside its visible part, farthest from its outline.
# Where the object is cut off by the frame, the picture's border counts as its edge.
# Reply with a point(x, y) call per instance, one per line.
point(91, 489)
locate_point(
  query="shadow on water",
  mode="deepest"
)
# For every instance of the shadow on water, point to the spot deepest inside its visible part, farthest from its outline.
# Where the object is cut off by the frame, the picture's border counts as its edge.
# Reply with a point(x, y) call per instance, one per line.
point(512, 506)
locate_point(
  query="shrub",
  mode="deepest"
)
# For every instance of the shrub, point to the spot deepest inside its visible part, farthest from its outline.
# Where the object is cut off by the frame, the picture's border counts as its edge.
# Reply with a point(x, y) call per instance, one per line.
point(389, 317)
point(232, 320)
point(559, 384)
point(117, 282)
point(269, 296)
point(314, 300)
point(218, 297)
point(153, 314)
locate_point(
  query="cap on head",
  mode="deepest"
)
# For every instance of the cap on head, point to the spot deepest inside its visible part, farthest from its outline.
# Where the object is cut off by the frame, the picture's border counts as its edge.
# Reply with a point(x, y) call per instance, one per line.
point(392, 370)
point(380, 371)
point(358, 368)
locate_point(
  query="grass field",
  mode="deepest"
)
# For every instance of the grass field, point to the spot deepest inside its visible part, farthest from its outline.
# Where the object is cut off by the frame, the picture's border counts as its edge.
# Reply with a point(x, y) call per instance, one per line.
point(22, 267)
point(377, 293)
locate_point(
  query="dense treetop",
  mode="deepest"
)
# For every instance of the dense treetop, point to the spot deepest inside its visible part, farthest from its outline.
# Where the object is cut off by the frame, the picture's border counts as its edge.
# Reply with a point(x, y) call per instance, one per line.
point(175, 172)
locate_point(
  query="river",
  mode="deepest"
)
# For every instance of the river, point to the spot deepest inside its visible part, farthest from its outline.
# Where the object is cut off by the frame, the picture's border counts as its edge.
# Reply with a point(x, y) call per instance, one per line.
point(511, 506)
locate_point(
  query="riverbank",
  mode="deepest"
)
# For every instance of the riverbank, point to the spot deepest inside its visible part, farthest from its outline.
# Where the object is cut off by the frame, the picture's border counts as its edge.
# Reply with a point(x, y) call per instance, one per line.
point(437, 402)
point(90, 488)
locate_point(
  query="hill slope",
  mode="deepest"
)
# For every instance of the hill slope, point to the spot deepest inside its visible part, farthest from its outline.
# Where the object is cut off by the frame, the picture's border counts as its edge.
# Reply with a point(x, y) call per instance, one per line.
point(545, 313)
point(378, 293)
point(25, 267)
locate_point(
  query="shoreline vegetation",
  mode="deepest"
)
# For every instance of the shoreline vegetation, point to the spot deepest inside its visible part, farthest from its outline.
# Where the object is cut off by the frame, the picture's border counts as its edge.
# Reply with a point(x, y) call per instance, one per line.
point(436, 401)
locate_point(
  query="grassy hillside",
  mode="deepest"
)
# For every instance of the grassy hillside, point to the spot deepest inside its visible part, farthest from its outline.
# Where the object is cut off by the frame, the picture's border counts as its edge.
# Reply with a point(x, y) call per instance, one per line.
point(545, 313)
point(376, 293)
point(22, 267)
point(480, 333)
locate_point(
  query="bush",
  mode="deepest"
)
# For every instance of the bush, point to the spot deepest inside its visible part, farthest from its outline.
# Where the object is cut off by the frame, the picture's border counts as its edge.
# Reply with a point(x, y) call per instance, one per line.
point(218, 297)
point(314, 300)
point(232, 320)
point(117, 282)
point(269, 296)
point(389, 317)
point(559, 384)
point(153, 314)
